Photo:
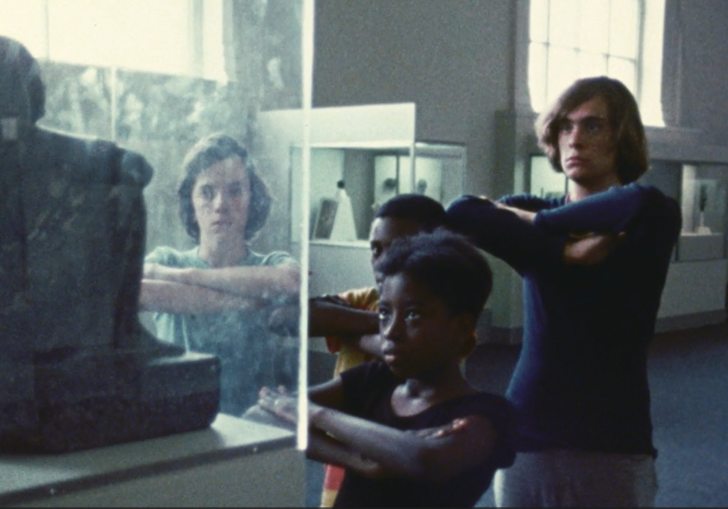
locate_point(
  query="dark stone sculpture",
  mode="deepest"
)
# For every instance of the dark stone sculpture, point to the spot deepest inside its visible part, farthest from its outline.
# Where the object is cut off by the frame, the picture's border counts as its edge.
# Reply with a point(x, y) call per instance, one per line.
point(77, 368)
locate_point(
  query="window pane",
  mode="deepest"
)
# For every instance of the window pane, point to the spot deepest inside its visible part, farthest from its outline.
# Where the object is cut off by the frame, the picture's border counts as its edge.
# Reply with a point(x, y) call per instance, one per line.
point(651, 64)
point(24, 21)
point(563, 70)
point(537, 75)
point(539, 20)
point(624, 29)
point(594, 26)
point(625, 71)
point(607, 29)
point(135, 34)
point(564, 23)
point(592, 64)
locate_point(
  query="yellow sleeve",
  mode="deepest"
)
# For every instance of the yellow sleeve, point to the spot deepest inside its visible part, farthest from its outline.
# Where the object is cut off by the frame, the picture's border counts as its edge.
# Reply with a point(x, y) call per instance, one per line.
point(349, 355)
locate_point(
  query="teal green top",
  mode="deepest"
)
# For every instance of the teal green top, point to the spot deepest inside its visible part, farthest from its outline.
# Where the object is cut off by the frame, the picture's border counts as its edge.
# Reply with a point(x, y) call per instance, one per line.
point(250, 355)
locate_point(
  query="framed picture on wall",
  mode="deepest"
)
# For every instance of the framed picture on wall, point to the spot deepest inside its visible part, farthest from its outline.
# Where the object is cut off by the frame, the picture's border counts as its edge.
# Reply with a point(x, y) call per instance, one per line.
point(325, 217)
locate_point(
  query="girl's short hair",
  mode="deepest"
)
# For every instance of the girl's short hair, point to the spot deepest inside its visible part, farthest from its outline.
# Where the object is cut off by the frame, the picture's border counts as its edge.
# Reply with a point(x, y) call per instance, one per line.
point(426, 212)
point(447, 263)
point(624, 119)
point(206, 152)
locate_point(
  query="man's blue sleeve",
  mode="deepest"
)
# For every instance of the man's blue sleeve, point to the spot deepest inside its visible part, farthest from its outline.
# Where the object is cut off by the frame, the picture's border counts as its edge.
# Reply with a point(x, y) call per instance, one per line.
point(504, 235)
point(608, 212)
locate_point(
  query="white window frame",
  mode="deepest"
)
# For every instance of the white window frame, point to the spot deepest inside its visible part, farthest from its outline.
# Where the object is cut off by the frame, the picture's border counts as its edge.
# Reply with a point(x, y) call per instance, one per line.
point(649, 66)
point(205, 53)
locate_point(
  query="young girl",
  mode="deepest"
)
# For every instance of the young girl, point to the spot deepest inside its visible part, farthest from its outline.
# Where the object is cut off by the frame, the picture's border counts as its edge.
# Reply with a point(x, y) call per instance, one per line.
point(411, 431)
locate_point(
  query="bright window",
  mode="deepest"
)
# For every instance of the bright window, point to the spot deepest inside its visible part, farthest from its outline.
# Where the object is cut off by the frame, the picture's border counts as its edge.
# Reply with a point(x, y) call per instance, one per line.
point(182, 37)
point(572, 39)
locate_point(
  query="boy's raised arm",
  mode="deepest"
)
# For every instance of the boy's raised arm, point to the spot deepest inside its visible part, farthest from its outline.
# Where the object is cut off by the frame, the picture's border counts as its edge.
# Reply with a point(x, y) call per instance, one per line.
point(331, 319)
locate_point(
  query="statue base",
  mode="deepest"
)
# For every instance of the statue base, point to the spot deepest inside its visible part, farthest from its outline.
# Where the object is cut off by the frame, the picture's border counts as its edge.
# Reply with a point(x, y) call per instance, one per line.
point(95, 400)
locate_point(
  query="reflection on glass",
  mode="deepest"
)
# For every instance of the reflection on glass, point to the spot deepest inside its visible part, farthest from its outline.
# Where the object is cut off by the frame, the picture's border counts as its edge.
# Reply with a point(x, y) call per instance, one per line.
point(217, 296)
point(703, 199)
point(239, 59)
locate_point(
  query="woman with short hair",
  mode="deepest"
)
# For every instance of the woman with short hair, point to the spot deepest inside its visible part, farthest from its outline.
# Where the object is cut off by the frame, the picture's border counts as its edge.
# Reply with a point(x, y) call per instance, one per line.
point(215, 297)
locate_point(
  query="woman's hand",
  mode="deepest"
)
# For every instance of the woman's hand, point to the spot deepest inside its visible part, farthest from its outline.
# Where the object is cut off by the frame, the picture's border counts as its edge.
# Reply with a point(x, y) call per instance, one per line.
point(160, 272)
point(279, 403)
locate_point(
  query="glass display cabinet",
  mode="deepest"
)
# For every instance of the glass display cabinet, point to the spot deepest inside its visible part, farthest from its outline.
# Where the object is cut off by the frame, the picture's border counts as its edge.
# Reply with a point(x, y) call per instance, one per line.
point(360, 156)
point(348, 184)
point(703, 203)
point(153, 78)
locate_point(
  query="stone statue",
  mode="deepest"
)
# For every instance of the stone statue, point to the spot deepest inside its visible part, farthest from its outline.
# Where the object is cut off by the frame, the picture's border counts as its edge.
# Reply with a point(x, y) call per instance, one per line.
point(78, 369)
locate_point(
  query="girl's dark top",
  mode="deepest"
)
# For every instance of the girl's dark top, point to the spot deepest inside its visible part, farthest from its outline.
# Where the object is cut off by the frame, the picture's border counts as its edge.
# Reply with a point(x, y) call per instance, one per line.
point(581, 378)
point(368, 389)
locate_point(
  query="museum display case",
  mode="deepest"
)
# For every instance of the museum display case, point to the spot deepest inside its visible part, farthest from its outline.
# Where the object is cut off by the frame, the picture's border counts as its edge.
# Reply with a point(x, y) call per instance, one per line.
point(149, 80)
point(360, 156)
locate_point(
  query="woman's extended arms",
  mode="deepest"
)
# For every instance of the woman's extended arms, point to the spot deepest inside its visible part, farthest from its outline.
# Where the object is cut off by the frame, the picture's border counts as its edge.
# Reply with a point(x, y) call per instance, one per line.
point(394, 452)
point(256, 281)
point(168, 297)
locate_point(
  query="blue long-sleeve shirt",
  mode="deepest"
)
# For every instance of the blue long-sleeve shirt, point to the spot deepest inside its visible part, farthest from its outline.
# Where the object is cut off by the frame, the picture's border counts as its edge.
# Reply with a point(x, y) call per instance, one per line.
point(581, 378)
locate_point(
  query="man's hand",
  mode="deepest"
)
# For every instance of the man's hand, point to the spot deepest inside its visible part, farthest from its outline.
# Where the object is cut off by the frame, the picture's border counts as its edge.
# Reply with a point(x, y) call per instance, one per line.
point(525, 215)
point(592, 248)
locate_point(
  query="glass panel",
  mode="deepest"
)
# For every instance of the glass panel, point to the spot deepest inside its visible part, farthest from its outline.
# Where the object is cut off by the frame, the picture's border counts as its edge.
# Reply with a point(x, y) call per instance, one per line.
point(545, 182)
point(624, 28)
point(667, 177)
point(592, 64)
point(594, 26)
point(537, 75)
point(563, 70)
point(703, 199)
point(539, 20)
point(440, 170)
point(651, 64)
point(625, 71)
point(349, 184)
point(564, 23)
point(14, 22)
point(704, 212)
point(217, 206)
point(117, 34)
